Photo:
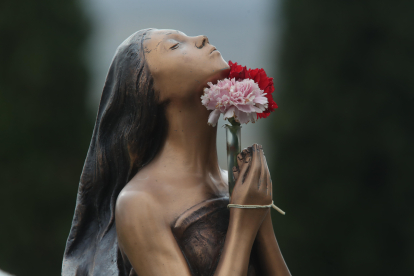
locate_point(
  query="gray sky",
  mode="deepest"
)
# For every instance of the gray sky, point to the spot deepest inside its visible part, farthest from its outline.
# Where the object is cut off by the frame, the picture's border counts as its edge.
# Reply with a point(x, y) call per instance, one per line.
point(244, 31)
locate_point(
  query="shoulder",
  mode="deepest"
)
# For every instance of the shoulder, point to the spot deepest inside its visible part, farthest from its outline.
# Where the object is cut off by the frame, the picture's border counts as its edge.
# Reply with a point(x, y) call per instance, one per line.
point(137, 218)
point(134, 206)
point(144, 235)
point(142, 203)
point(138, 194)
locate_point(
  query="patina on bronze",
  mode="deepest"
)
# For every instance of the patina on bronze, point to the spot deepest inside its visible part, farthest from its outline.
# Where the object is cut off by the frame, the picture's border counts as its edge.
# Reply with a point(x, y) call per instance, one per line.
point(152, 199)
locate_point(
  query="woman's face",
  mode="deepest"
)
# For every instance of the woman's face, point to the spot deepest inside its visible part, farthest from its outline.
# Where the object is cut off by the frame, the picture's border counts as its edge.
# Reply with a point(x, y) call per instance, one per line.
point(182, 65)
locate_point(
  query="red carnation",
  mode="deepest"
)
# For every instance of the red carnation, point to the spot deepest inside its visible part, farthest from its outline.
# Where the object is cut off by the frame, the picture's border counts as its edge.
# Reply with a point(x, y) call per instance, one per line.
point(237, 71)
point(260, 77)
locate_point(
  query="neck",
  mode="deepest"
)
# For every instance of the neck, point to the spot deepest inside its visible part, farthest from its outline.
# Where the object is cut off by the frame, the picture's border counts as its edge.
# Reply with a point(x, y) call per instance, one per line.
point(190, 145)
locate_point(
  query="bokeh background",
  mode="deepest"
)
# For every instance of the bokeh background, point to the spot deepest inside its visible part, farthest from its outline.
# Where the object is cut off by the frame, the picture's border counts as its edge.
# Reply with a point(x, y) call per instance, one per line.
point(340, 146)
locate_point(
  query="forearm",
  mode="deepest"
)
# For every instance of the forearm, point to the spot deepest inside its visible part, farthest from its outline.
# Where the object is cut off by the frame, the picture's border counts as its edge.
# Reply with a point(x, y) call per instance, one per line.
point(240, 236)
point(268, 251)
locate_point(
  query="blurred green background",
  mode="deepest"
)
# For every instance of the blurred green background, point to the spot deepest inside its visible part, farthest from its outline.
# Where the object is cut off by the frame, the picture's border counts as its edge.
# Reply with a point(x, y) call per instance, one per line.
point(345, 137)
point(342, 140)
point(44, 130)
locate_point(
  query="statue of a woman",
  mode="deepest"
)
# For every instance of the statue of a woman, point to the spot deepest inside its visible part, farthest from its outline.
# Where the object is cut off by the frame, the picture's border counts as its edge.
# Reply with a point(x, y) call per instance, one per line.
point(152, 199)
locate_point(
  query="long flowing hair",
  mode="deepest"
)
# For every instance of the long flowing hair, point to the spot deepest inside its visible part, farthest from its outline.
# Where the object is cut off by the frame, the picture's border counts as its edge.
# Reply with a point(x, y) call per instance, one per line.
point(129, 131)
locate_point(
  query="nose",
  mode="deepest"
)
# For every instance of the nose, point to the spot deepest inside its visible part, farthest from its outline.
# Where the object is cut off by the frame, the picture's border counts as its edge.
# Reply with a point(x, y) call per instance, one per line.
point(201, 40)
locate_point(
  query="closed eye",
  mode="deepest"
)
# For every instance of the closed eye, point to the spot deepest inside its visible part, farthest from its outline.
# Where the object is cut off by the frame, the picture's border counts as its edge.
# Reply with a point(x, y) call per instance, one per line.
point(175, 46)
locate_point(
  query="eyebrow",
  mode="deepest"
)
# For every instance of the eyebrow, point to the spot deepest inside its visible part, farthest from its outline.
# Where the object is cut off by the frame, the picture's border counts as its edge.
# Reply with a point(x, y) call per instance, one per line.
point(167, 38)
point(172, 37)
point(176, 32)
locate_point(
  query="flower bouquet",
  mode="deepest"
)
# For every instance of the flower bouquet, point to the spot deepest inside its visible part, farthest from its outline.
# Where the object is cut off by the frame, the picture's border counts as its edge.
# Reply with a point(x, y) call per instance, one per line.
point(244, 96)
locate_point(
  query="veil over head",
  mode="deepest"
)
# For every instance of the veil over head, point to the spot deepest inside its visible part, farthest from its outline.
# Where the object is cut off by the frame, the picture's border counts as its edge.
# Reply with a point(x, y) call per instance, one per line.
point(129, 131)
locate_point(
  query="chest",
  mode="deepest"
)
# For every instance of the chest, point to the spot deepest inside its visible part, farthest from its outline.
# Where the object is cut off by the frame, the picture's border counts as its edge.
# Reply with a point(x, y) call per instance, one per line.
point(201, 232)
point(191, 200)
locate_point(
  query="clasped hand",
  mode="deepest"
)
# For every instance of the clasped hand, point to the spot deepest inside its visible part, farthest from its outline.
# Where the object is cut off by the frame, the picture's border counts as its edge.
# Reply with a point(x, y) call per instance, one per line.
point(253, 183)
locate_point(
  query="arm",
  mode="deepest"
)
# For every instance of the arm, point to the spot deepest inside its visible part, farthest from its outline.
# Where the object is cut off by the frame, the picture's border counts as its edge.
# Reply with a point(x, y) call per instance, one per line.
point(268, 251)
point(239, 241)
point(266, 246)
point(145, 238)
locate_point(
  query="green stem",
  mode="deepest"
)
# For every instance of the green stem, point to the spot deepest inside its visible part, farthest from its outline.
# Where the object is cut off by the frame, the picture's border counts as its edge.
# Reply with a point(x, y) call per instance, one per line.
point(233, 141)
point(233, 122)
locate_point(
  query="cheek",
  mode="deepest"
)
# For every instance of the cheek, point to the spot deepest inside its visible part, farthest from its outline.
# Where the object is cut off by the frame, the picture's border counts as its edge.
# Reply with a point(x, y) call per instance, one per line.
point(182, 73)
point(187, 67)
point(187, 62)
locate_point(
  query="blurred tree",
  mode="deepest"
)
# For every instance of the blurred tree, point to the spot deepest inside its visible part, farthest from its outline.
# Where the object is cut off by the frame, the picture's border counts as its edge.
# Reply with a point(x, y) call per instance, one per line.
point(44, 130)
point(345, 137)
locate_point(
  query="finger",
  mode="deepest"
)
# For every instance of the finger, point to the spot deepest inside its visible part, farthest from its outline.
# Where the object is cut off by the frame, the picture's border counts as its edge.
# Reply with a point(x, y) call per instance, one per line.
point(269, 184)
point(254, 171)
point(262, 183)
point(235, 173)
point(257, 161)
point(245, 166)
point(240, 162)
point(241, 156)
point(268, 178)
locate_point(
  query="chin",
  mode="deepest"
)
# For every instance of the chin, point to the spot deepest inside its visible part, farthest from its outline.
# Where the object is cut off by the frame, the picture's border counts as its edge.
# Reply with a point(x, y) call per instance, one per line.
point(220, 74)
point(224, 66)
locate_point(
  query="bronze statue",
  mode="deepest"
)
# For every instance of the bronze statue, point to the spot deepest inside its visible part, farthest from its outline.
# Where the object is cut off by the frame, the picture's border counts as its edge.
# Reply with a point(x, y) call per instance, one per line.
point(152, 198)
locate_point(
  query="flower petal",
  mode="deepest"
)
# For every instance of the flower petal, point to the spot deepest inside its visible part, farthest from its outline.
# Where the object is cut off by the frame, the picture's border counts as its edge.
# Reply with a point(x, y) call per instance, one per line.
point(229, 113)
point(213, 118)
point(243, 117)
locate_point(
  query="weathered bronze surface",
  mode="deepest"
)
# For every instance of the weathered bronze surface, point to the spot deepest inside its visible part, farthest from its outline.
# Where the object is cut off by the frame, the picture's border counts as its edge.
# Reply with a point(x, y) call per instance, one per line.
point(128, 115)
point(200, 232)
point(152, 198)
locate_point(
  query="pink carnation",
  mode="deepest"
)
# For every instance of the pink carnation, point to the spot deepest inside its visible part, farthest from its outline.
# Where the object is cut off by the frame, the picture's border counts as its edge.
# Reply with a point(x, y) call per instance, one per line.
point(241, 99)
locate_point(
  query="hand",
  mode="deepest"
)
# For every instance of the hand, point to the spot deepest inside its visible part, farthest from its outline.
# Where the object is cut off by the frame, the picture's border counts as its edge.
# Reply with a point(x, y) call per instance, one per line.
point(253, 184)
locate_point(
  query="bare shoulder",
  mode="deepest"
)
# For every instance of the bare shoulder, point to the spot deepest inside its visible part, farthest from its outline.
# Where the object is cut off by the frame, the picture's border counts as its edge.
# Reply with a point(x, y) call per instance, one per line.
point(137, 195)
point(134, 205)
point(145, 236)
